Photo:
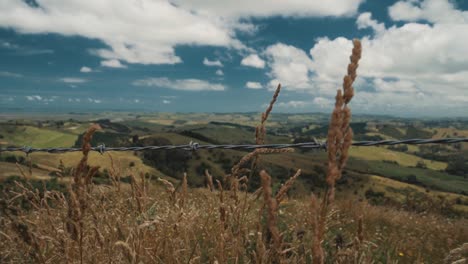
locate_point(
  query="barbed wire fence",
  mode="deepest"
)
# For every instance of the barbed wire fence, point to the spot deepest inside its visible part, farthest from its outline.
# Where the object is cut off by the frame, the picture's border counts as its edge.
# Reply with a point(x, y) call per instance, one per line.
point(193, 146)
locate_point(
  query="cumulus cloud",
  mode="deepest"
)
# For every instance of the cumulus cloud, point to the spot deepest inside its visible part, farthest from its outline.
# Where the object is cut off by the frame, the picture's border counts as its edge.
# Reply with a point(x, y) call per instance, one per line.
point(143, 32)
point(401, 86)
point(253, 60)
point(365, 21)
point(73, 80)
point(434, 11)
point(85, 69)
point(294, 104)
point(322, 102)
point(289, 65)
point(180, 84)
point(113, 63)
point(253, 85)
point(316, 103)
point(296, 8)
point(213, 63)
point(399, 63)
point(219, 72)
point(146, 31)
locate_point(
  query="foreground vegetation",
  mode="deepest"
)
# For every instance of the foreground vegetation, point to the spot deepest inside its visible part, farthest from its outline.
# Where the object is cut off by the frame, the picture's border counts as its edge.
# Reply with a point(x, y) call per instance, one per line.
point(147, 223)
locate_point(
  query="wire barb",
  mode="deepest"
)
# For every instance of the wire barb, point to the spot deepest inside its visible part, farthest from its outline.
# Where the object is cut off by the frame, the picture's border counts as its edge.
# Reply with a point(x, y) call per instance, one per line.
point(27, 150)
point(193, 146)
point(101, 148)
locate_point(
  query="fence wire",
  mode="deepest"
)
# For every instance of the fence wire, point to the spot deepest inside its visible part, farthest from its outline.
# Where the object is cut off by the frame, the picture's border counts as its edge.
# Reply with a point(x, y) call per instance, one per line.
point(195, 146)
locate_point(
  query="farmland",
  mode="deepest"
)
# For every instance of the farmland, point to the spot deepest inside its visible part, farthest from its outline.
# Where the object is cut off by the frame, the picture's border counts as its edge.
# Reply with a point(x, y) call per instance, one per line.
point(394, 182)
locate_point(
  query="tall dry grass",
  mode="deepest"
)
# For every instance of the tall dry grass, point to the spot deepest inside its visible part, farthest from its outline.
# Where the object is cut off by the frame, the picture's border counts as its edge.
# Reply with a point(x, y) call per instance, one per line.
point(155, 222)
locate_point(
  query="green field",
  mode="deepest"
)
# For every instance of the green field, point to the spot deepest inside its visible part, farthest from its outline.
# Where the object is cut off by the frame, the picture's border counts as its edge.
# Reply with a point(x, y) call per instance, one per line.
point(35, 137)
point(432, 179)
point(206, 128)
point(404, 159)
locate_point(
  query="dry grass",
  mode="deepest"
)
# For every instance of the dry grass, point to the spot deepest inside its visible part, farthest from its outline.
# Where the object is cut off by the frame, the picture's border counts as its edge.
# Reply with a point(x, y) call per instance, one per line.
point(156, 222)
point(147, 225)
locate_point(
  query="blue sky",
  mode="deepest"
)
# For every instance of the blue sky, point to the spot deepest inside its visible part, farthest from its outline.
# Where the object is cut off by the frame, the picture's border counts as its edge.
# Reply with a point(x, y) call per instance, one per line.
point(227, 56)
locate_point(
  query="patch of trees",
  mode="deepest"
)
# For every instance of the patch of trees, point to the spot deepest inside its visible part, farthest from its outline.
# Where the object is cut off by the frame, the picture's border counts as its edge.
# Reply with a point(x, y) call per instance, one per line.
point(391, 131)
point(195, 135)
point(412, 179)
point(414, 132)
point(144, 129)
point(225, 162)
point(434, 152)
point(107, 124)
point(172, 162)
point(107, 138)
point(365, 137)
point(13, 159)
point(458, 165)
point(375, 197)
point(247, 128)
point(358, 129)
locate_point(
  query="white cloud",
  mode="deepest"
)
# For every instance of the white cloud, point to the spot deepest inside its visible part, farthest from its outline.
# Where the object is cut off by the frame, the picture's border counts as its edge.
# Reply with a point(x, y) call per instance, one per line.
point(10, 74)
point(38, 98)
point(290, 66)
point(73, 80)
point(399, 63)
point(365, 20)
point(96, 101)
point(294, 104)
point(180, 84)
point(146, 31)
point(34, 98)
point(214, 63)
point(166, 102)
point(219, 72)
point(253, 85)
point(322, 102)
point(253, 60)
point(296, 8)
point(113, 63)
point(402, 86)
point(435, 11)
point(85, 69)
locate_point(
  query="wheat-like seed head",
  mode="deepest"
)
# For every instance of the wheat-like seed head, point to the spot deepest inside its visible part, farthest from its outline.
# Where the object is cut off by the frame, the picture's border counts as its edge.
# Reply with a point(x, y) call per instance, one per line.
point(272, 210)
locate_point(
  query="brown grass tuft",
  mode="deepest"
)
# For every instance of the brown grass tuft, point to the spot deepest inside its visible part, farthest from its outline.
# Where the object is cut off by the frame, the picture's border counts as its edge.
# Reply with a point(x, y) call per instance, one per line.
point(338, 142)
point(271, 207)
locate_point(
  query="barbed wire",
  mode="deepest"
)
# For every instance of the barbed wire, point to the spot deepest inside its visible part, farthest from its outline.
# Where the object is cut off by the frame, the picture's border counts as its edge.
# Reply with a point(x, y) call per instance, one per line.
point(195, 146)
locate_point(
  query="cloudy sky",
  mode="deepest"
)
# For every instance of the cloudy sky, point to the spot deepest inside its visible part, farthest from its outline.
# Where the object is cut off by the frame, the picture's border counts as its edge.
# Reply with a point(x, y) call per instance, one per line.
point(226, 56)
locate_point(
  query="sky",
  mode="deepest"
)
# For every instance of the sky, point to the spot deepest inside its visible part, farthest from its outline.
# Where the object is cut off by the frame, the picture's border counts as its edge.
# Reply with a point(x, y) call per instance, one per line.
point(229, 56)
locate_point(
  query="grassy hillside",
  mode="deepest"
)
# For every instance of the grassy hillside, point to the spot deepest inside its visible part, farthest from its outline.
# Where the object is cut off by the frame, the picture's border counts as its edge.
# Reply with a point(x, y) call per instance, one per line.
point(384, 154)
point(429, 178)
point(35, 137)
point(394, 211)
